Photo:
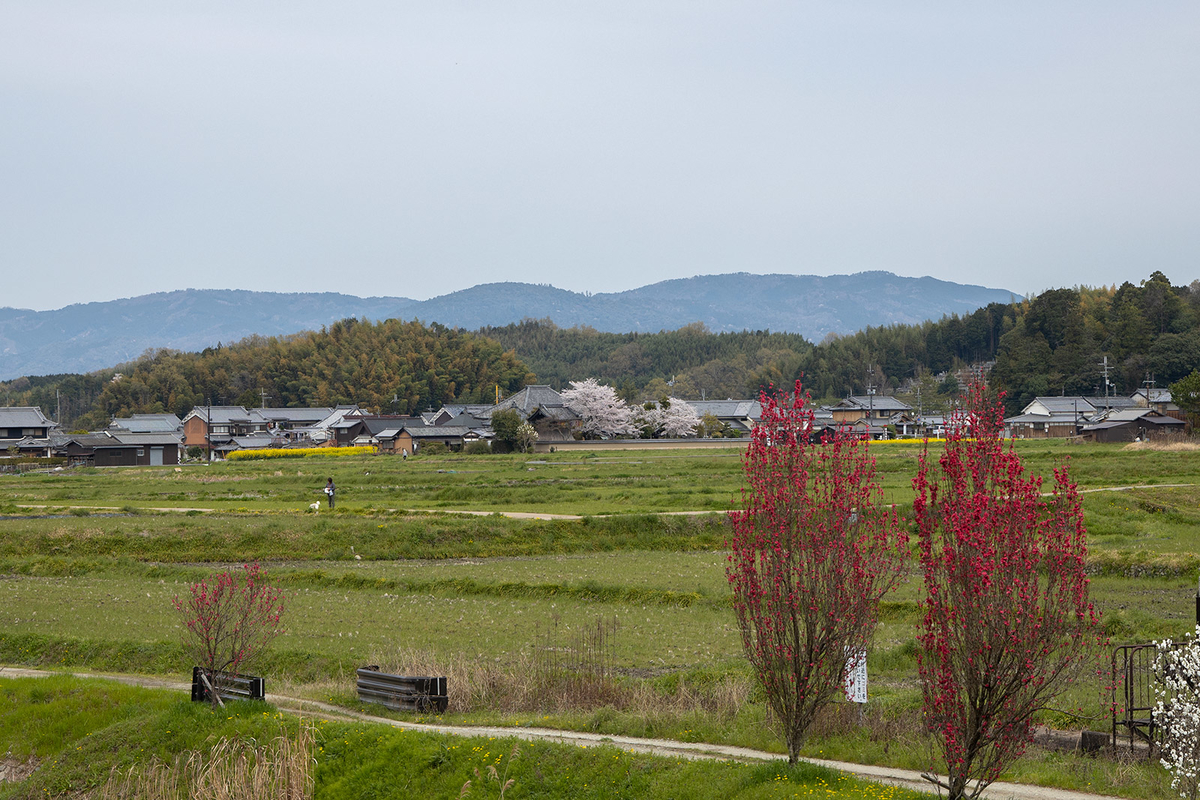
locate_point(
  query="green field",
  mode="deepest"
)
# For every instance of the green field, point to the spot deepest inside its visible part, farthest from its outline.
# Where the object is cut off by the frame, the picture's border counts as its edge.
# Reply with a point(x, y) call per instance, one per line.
point(88, 571)
point(80, 732)
point(619, 482)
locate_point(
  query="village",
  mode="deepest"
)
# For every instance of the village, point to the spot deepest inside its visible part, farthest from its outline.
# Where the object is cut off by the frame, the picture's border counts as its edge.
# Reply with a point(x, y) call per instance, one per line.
point(213, 432)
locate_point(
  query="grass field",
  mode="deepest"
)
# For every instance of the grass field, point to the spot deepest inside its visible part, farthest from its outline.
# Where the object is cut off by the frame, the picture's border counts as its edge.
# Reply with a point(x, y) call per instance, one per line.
point(384, 580)
point(588, 484)
point(79, 734)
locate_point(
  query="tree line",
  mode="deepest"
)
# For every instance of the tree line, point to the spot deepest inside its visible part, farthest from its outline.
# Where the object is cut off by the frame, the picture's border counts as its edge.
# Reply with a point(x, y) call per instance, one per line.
point(389, 367)
point(1054, 343)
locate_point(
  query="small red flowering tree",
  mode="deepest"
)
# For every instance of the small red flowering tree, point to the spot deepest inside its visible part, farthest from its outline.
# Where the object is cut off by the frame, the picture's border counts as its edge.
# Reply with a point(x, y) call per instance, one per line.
point(1006, 620)
point(229, 619)
point(811, 554)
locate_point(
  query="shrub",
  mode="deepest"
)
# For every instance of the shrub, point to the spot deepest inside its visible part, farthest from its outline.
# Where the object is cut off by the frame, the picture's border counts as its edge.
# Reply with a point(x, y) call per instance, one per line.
point(1177, 711)
point(229, 619)
point(477, 449)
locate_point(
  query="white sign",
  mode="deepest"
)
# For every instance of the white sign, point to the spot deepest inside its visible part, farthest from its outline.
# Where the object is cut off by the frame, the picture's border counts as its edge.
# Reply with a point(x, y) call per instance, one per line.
point(856, 677)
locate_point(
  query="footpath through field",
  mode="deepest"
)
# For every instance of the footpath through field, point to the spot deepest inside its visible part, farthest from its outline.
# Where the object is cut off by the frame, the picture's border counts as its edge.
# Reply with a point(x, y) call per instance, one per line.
point(660, 747)
point(539, 514)
point(509, 514)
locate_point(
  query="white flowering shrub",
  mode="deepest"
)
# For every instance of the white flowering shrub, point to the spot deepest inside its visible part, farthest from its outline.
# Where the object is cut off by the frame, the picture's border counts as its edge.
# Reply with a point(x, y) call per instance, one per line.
point(527, 435)
point(1177, 711)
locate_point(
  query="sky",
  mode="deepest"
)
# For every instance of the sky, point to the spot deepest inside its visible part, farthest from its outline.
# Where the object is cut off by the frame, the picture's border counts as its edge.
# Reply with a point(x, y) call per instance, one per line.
point(414, 149)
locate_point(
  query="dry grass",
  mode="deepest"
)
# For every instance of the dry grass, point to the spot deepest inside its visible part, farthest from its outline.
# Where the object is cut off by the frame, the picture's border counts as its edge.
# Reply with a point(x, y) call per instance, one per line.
point(1166, 444)
point(231, 770)
point(529, 685)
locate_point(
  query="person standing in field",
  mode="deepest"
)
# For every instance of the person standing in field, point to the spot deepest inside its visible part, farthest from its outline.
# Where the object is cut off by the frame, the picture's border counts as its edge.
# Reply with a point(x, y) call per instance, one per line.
point(329, 492)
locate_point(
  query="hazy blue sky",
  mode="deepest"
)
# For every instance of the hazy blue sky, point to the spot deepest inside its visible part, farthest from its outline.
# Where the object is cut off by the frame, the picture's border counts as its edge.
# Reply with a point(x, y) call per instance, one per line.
point(384, 148)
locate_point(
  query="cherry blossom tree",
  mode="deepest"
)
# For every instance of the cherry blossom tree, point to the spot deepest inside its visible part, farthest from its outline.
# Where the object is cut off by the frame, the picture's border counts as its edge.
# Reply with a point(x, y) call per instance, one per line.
point(811, 554)
point(669, 418)
point(603, 413)
point(1006, 620)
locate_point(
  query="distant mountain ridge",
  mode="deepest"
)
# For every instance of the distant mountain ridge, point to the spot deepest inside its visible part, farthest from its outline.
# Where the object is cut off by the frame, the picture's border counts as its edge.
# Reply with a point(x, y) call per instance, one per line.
point(91, 336)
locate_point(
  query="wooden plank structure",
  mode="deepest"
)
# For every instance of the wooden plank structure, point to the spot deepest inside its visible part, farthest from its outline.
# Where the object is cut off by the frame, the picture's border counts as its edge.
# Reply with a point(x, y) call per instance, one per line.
point(402, 693)
point(228, 685)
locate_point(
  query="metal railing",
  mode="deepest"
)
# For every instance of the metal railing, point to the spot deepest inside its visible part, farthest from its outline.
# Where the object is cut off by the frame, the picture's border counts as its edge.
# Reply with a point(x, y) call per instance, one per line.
point(228, 685)
point(402, 693)
point(1133, 673)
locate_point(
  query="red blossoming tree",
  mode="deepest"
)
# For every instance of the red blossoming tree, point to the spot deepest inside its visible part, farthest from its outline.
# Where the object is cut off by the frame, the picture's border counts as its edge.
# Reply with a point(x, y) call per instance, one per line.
point(229, 619)
point(1006, 619)
point(811, 554)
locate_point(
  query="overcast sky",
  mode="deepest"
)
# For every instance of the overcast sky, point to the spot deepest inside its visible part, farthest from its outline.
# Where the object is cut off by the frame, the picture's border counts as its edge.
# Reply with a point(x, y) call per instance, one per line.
point(386, 148)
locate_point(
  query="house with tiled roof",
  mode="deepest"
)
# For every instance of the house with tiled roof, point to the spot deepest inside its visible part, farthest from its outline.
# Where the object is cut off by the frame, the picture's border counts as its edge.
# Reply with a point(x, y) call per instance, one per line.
point(544, 409)
point(1132, 424)
point(878, 408)
point(1050, 418)
point(1159, 400)
point(211, 426)
point(118, 448)
point(23, 422)
point(740, 415)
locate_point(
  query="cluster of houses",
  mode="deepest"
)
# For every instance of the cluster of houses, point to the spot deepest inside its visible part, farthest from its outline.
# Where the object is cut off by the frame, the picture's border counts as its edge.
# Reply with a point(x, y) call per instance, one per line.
point(215, 431)
point(1147, 414)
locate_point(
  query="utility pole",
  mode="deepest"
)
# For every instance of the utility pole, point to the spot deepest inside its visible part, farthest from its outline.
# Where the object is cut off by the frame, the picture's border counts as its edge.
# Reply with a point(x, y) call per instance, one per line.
point(870, 399)
point(1104, 364)
point(264, 395)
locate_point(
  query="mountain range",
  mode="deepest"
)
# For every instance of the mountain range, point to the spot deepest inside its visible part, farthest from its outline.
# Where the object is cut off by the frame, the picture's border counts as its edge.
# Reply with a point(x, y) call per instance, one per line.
point(91, 336)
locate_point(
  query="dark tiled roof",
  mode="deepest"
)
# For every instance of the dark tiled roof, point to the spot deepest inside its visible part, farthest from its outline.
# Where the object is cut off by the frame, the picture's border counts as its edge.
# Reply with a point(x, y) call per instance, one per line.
point(556, 413)
point(444, 431)
point(24, 417)
point(219, 415)
point(87, 440)
point(1057, 419)
point(529, 398)
point(739, 409)
point(148, 423)
point(879, 402)
point(141, 439)
point(1065, 405)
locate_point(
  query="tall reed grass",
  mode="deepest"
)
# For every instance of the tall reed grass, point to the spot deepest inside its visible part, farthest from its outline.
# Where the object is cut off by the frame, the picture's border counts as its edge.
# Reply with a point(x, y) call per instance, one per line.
point(564, 683)
point(232, 769)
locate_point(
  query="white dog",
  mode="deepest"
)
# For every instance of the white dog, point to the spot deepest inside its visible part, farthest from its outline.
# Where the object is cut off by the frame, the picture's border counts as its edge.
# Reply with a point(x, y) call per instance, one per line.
point(316, 507)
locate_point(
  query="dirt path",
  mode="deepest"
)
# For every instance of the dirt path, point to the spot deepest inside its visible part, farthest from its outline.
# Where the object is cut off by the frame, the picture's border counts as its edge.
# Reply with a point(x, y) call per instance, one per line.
point(509, 514)
point(659, 747)
point(538, 514)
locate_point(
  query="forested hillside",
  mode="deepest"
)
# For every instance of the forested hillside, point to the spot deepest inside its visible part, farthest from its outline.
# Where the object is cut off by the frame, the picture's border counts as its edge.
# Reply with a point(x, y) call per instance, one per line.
point(390, 366)
point(1052, 344)
point(694, 361)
